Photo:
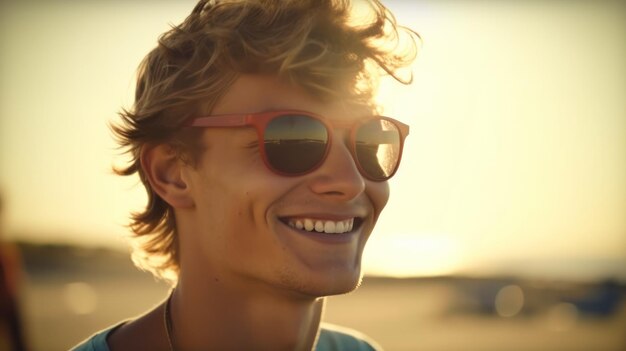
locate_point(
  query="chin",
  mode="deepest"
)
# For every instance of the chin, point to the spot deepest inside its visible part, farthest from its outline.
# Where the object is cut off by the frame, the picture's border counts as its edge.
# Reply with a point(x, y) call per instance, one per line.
point(346, 287)
point(320, 284)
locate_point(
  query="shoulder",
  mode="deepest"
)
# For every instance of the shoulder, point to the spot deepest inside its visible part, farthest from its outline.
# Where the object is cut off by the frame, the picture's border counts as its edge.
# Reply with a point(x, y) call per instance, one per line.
point(336, 338)
point(96, 342)
point(142, 333)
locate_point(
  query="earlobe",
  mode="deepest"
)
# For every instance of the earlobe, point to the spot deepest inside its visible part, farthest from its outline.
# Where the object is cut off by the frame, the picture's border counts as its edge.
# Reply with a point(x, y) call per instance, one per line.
point(164, 171)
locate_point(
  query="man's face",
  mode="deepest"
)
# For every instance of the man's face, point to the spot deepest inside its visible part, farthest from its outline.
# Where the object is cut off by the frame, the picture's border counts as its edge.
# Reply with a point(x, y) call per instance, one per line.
point(238, 229)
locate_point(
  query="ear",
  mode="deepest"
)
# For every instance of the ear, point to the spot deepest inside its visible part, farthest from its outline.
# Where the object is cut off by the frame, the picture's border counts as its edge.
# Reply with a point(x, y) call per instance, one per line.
point(164, 170)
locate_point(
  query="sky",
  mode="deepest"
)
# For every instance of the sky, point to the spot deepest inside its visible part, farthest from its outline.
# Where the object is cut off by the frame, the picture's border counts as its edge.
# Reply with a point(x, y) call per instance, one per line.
point(516, 160)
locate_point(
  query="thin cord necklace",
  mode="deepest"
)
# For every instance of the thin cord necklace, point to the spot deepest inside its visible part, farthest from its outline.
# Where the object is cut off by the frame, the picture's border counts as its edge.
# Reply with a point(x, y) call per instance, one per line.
point(167, 318)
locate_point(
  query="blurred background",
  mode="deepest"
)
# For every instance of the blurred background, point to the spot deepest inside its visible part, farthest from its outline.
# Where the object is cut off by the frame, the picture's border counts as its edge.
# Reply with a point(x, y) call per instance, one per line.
point(506, 227)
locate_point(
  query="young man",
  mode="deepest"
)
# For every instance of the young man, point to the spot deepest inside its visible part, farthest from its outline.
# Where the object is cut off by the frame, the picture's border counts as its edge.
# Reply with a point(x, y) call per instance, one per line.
point(265, 164)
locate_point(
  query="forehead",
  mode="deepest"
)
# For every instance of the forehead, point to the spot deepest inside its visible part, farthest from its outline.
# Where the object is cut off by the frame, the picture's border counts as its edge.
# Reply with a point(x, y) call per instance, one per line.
point(259, 93)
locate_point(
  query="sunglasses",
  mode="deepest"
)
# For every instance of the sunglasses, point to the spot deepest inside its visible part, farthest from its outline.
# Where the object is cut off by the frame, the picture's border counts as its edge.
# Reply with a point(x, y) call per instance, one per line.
point(294, 143)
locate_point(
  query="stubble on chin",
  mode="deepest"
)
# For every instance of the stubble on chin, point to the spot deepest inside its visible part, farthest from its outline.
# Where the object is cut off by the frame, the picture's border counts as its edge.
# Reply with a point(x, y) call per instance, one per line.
point(308, 286)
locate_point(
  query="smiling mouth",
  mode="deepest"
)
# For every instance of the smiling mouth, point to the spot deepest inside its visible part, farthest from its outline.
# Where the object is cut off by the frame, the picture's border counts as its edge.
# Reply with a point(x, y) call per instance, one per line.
point(323, 225)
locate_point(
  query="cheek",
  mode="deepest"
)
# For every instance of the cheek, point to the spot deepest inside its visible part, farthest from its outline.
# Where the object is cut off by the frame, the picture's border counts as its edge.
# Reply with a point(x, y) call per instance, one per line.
point(238, 200)
point(379, 195)
point(226, 222)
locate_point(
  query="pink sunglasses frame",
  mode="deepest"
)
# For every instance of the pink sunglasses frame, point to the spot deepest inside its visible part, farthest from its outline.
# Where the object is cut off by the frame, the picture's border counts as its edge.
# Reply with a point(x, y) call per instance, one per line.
point(260, 121)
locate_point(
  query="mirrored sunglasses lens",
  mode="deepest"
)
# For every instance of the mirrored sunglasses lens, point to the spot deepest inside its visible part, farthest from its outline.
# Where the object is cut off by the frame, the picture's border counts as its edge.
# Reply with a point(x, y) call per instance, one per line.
point(295, 144)
point(378, 148)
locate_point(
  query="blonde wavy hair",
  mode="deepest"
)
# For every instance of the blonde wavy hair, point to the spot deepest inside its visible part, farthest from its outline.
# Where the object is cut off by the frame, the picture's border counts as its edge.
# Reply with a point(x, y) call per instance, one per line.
point(324, 46)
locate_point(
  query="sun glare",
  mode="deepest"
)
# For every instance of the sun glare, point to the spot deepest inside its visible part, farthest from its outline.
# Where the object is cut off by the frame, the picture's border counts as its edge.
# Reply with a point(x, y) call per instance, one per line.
point(411, 255)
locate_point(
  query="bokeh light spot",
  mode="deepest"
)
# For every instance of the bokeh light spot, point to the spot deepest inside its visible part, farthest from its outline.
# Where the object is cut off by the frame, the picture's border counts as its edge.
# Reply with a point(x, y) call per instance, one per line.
point(509, 301)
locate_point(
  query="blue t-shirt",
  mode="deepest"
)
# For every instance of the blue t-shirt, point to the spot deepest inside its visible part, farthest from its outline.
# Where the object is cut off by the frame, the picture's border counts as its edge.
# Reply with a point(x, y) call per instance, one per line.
point(332, 338)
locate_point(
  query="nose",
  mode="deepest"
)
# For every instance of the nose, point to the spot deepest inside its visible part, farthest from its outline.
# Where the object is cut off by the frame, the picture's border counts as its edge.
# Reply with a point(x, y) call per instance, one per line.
point(338, 177)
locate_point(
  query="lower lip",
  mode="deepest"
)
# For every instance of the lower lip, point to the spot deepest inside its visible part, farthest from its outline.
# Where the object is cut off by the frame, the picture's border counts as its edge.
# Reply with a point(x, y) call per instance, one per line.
point(326, 238)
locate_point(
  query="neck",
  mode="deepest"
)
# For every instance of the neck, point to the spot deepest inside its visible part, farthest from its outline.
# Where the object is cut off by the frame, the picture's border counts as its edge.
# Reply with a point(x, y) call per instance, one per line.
point(214, 314)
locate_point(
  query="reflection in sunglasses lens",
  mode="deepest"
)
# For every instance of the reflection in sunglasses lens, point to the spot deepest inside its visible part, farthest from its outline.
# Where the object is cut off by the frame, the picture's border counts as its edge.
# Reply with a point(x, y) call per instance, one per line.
point(378, 148)
point(294, 143)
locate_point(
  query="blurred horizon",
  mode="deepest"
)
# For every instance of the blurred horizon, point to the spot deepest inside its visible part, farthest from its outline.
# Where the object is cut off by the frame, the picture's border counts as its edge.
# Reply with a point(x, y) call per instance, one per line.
point(70, 292)
point(516, 160)
point(588, 270)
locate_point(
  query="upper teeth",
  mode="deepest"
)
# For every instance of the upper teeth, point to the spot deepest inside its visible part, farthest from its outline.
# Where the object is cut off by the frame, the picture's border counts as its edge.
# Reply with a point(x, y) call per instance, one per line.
point(323, 226)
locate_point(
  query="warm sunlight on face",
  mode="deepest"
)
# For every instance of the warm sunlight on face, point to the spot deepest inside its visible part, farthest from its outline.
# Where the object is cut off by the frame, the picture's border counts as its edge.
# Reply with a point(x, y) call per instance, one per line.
point(517, 147)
